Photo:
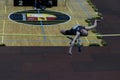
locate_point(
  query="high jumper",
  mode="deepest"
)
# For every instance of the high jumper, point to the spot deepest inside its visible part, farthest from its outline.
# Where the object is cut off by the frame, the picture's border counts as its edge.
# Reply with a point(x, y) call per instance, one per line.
point(78, 31)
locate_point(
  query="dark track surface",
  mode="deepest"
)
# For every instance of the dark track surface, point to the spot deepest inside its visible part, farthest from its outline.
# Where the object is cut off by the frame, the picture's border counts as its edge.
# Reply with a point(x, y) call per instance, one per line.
point(53, 63)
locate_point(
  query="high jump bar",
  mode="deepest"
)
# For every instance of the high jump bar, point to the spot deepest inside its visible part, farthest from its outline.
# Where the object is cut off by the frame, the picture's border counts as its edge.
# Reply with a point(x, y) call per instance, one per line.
point(39, 35)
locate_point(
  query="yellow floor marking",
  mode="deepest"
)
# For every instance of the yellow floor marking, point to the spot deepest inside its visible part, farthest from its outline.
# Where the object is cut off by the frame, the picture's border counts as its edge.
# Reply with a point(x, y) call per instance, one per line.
point(68, 7)
point(4, 26)
point(87, 40)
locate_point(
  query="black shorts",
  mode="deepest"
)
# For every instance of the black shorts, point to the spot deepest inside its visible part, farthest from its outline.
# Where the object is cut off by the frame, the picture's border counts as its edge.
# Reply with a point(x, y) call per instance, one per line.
point(70, 32)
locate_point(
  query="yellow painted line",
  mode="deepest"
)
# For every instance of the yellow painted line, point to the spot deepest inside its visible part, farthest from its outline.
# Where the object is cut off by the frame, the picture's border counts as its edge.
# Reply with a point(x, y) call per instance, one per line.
point(39, 35)
point(4, 25)
point(3, 31)
point(107, 35)
point(87, 40)
point(68, 7)
point(5, 9)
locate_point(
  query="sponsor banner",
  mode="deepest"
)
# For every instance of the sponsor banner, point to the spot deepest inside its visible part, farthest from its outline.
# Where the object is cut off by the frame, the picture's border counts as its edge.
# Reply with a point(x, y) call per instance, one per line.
point(40, 17)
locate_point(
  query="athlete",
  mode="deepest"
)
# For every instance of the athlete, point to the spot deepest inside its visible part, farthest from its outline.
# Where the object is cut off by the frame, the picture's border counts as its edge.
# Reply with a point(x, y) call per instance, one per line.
point(78, 31)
